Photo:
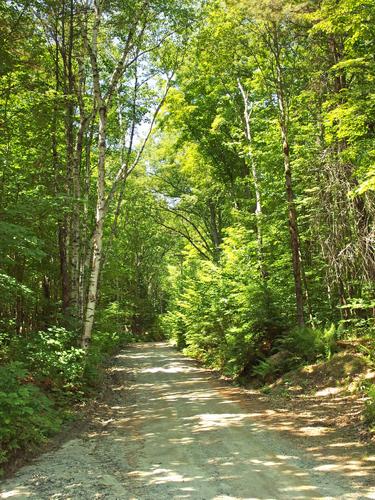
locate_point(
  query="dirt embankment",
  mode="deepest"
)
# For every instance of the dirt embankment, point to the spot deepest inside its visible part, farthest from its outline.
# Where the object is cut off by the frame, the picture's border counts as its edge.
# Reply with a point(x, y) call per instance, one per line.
point(328, 397)
point(170, 429)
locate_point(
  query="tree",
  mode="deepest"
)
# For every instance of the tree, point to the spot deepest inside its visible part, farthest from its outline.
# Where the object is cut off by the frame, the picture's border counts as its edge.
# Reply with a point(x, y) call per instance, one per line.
point(134, 44)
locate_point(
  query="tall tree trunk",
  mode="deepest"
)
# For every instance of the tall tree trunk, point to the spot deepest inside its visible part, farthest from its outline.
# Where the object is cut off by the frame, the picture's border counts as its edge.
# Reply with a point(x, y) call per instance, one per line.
point(215, 229)
point(86, 242)
point(98, 233)
point(293, 225)
point(102, 101)
point(254, 173)
point(76, 221)
point(62, 222)
point(71, 173)
point(292, 212)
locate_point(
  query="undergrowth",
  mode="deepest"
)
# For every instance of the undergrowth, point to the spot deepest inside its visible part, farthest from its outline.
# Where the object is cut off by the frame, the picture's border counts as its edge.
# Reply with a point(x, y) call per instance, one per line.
point(296, 347)
point(37, 392)
point(369, 412)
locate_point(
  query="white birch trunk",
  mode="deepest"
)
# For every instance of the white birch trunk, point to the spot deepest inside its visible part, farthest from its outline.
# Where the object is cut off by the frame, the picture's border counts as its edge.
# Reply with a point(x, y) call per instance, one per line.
point(103, 102)
point(254, 173)
point(76, 225)
point(98, 233)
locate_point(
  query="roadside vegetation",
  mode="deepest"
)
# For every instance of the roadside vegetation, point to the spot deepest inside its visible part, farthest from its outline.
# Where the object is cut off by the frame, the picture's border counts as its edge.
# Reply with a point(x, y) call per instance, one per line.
point(44, 379)
point(196, 171)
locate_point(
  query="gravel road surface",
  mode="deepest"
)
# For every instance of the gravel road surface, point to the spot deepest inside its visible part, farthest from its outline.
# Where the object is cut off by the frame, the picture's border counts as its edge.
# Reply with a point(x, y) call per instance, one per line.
point(169, 429)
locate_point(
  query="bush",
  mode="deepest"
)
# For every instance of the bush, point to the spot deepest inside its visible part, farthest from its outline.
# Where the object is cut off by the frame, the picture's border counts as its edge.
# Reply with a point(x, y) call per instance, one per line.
point(34, 391)
point(27, 416)
point(277, 364)
point(219, 312)
point(264, 369)
point(309, 343)
point(102, 345)
point(369, 412)
point(172, 323)
point(113, 318)
point(54, 373)
point(52, 357)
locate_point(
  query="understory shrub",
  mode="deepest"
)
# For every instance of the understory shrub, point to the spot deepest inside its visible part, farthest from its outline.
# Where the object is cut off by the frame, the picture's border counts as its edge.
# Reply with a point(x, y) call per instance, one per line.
point(277, 364)
point(172, 323)
point(52, 356)
point(219, 312)
point(53, 374)
point(216, 319)
point(102, 345)
point(309, 343)
point(369, 412)
point(113, 318)
point(264, 369)
point(27, 415)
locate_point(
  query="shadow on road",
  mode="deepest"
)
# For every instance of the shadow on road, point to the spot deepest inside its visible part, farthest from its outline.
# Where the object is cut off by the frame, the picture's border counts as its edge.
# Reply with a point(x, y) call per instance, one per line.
point(171, 429)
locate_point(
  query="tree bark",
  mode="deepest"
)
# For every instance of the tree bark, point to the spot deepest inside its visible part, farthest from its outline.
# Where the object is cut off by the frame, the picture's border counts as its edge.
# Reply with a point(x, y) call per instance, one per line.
point(98, 233)
point(293, 227)
point(215, 229)
point(62, 223)
point(292, 212)
point(254, 172)
point(103, 101)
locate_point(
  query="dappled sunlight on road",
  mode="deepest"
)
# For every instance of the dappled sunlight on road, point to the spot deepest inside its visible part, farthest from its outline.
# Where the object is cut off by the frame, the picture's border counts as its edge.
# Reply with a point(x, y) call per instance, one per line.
point(171, 429)
point(188, 422)
point(17, 492)
point(211, 421)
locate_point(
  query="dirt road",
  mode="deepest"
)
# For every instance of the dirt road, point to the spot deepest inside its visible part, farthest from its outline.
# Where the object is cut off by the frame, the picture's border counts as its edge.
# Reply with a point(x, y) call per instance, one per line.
point(170, 430)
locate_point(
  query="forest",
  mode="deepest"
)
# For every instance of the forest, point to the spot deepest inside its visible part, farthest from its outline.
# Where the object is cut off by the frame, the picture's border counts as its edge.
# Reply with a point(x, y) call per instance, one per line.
point(198, 171)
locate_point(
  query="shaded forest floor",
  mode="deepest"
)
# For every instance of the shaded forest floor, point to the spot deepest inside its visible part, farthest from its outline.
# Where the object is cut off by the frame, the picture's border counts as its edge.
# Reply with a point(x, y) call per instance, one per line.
point(323, 397)
point(320, 407)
